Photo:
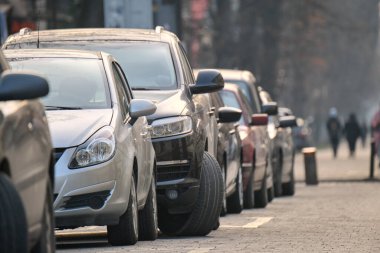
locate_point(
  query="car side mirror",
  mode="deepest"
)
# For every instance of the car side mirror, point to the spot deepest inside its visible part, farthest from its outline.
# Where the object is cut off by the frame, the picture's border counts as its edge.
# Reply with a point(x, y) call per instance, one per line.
point(208, 80)
point(141, 107)
point(270, 108)
point(17, 85)
point(259, 119)
point(287, 121)
point(229, 114)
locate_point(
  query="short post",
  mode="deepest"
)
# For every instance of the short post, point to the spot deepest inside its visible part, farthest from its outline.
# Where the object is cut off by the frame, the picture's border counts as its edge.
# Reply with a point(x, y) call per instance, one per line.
point(372, 160)
point(309, 154)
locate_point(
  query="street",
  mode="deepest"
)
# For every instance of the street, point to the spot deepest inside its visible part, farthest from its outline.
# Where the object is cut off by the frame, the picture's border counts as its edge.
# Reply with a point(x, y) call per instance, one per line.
point(341, 214)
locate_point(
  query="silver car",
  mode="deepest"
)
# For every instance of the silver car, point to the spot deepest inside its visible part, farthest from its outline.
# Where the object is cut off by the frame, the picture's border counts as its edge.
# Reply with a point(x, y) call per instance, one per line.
point(104, 158)
point(26, 164)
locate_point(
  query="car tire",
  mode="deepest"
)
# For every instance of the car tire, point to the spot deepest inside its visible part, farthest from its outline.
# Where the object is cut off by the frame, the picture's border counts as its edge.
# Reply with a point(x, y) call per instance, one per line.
point(261, 196)
point(288, 189)
point(277, 175)
point(235, 202)
point(223, 212)
point(46, 242)
point(13, 225)
point(126, 231)
point(249, 196)
point(270, 194)
point(148, 222)
point(205, 214)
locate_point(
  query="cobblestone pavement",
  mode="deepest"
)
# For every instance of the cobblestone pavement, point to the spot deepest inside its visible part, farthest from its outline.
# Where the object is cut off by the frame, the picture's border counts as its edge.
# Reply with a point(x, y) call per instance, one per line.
point(341, 214)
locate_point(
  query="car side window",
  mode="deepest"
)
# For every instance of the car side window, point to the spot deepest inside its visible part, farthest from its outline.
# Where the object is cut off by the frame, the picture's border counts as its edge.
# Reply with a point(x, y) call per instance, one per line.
point(125, 81)
point(187, 68)
point(123, 98)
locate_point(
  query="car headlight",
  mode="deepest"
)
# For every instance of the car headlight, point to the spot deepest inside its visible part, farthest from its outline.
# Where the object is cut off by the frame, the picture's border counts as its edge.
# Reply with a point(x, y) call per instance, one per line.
point(99, 148)
point(171, 126)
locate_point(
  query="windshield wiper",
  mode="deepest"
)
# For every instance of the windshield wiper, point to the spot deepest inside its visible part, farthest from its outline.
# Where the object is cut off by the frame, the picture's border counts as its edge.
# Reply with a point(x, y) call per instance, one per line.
point(142, 88)
point(53, 107)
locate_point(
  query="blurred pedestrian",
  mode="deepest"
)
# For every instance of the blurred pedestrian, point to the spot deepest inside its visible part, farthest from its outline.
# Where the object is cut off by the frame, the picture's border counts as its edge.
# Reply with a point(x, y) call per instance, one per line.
point(363, 133)
point(334, 129)
point(375, 131)
point(352, 132)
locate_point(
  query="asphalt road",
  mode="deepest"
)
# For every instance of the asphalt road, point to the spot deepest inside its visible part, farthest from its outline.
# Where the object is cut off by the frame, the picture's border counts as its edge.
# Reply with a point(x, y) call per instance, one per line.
point(341, 214)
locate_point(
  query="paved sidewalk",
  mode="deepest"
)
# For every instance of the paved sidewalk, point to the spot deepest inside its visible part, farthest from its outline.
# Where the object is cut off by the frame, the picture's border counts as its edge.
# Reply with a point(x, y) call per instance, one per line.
point(343, 168)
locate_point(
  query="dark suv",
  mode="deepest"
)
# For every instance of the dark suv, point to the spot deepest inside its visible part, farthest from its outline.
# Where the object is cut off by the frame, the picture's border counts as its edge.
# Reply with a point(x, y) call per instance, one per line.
point(183, 129)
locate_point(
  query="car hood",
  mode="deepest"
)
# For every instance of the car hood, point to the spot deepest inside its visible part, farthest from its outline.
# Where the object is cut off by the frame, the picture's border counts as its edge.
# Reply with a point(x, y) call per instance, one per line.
point(169, 103)
point(71, 128)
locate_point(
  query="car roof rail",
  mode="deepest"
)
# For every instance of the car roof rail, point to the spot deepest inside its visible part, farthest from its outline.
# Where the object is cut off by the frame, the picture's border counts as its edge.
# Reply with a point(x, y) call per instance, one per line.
point(25, 30)
point(159, 29)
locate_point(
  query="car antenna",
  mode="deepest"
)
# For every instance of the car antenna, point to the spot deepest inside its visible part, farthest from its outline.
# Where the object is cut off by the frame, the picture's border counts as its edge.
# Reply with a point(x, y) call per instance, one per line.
point(38, 30)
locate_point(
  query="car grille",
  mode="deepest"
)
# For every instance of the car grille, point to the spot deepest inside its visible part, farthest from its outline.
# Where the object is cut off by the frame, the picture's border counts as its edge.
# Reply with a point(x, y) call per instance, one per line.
point(165, 173)
point(94, 200)
point(58, 152)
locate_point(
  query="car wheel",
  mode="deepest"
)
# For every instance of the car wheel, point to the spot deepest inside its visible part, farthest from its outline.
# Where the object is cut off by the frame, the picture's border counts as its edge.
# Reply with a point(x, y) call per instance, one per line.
point(270, 194)
point(235, 202)
point(13, 225)
point(126, 231)
point(205, 214)
point(46, 243)
point(288, 189)
point(223, 212)
point(277, 175)
point(261, 196)
point(249, 196)
point(148, 225)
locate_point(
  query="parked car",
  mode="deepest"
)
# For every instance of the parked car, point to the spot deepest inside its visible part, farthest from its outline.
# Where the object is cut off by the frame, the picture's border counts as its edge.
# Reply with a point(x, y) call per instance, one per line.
point(229, 154)
point(246, 82)
point(281, 147)
point(253, 134)
point(26, 164)
point(104, 158)
point(302, 134)
point(184, 129)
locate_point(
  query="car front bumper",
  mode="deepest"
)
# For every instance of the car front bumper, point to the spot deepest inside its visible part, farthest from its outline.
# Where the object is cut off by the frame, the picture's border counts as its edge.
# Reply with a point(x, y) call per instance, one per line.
point(179, 161)
point(88, 196)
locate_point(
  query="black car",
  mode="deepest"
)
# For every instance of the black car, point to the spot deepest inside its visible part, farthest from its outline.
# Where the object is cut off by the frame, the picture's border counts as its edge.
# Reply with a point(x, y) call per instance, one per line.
point(189, 179)
point(229, 152)
point(247, 84)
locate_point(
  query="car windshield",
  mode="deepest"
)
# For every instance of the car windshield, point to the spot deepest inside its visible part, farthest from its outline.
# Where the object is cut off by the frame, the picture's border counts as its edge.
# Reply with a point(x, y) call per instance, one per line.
point(147, 65)
point(253, 100)
point(73, 83)
point(230, 99)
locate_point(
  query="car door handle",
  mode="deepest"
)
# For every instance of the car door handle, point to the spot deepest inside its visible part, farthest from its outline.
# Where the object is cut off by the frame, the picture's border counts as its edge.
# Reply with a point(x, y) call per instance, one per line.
point(212, 111)
point(231, 132)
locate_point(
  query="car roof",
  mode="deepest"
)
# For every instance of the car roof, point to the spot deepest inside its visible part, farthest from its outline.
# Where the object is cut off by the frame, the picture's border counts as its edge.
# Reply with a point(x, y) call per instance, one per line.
point(79, 34)
point(235, 74)
point(52, 53)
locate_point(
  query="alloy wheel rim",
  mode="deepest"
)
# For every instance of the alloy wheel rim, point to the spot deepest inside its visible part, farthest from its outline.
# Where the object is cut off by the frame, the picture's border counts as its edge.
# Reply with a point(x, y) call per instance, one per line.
point(241, 199)
point(134, 209)
point(154, 202)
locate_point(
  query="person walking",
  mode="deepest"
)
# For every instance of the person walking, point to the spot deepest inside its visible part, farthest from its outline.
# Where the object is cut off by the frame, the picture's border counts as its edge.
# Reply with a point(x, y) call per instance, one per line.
point(334, 129)
point(363, 133)
point(375, 132)
point(352, 132)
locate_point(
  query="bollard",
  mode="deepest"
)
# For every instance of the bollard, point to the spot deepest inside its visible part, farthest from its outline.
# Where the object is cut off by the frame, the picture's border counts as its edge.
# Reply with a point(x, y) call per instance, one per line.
point(309, 154)
point(372, 160)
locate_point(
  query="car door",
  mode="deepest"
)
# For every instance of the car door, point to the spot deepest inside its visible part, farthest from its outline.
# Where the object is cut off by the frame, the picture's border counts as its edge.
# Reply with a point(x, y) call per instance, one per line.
point(141, 138)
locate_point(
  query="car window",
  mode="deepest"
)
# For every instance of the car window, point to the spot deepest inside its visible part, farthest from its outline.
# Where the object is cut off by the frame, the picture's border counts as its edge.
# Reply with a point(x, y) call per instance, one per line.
point(230, 99)
point(147, 65)
point(186, 65)
point(73, 82)
point(253, 99)
point(124, 81)
point(123, 98)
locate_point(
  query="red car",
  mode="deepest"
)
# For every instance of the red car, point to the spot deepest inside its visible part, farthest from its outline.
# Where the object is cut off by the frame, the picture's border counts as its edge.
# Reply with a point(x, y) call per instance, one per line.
point(253, 133)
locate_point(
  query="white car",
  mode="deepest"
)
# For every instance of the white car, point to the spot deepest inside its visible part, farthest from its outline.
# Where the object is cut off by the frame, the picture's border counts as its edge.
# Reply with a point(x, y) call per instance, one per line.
point(104, 158)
